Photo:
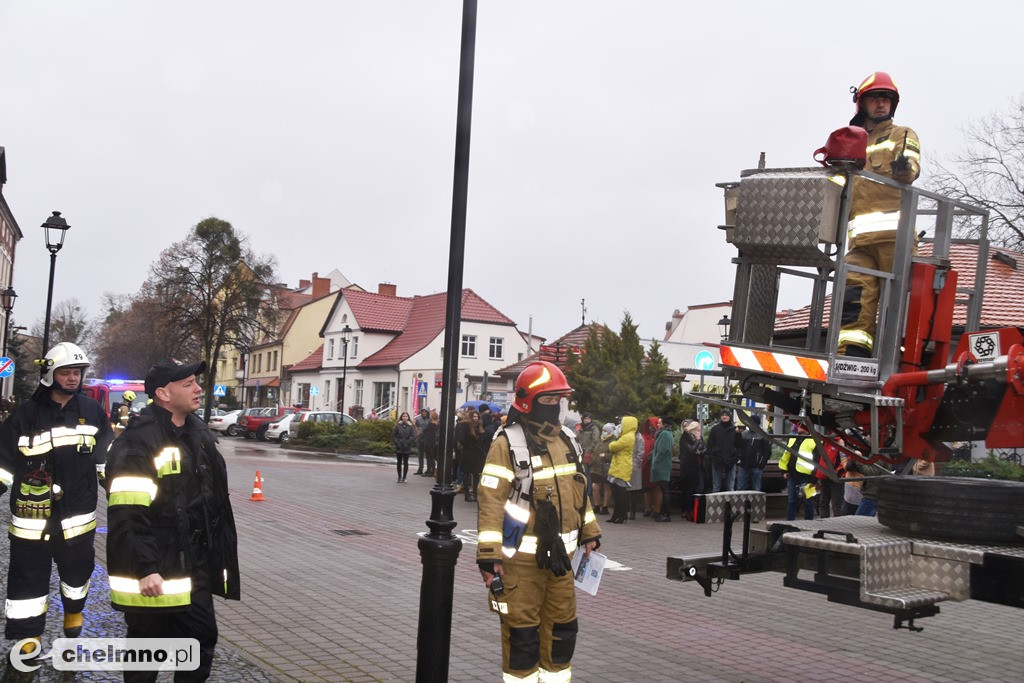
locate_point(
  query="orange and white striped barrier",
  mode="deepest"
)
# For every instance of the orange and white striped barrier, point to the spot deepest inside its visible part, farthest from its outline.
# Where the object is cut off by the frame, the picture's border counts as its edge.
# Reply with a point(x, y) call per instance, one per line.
point(775, 363)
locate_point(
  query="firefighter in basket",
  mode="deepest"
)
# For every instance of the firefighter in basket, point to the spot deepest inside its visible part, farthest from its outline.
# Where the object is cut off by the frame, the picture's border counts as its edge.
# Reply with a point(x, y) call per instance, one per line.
point(894, 152)
point(52, 452)
point(534, 515)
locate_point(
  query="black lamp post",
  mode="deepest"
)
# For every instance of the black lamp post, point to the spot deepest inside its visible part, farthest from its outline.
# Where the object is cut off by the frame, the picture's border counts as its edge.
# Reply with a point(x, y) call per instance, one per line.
point(439, 548)
point(346, 335)
point(723, 326)
point(56, 228)
point(7, 298)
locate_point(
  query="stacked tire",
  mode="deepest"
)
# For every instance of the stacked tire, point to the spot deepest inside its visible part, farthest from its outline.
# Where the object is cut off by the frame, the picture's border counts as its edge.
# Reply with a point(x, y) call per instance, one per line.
point(953, 508)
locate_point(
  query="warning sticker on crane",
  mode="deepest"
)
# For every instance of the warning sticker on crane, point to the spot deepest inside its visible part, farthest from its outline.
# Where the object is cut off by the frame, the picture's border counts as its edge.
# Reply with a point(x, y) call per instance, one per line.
point(854, 368)
point(984, 345)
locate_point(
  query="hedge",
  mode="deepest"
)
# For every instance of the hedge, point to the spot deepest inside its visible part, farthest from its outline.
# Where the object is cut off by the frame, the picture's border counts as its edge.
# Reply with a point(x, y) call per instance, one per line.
point(371, 437)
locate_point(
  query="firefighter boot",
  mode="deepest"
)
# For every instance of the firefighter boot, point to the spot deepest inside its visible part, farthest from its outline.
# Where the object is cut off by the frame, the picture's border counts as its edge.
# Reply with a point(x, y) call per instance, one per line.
point(72, 624)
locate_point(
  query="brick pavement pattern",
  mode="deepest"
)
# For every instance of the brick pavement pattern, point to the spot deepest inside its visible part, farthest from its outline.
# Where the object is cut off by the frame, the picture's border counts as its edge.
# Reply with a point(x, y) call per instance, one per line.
point(331, 579)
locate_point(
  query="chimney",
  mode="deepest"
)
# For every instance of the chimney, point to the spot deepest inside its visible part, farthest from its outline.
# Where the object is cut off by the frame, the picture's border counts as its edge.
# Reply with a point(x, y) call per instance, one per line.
point(387, 288)
point(303, 284)
point(321, 286)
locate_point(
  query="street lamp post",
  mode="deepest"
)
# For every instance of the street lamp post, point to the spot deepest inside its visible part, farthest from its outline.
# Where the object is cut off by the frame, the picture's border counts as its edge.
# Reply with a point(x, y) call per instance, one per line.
point(56, 228)
point(7, 296)
point(439, 548)
point(346, 335)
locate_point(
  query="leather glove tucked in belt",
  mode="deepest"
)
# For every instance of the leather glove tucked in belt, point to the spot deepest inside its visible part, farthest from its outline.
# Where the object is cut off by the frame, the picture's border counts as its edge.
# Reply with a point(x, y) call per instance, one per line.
point(550, 549)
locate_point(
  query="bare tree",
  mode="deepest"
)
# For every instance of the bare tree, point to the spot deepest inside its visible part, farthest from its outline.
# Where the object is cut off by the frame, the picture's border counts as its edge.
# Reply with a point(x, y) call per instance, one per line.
point(69, 322)
point(132, 338)
point(989, 172)
point(213, 291)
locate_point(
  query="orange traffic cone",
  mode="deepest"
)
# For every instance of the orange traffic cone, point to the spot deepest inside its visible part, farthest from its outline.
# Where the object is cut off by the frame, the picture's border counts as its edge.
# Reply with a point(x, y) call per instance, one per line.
point(257, 488)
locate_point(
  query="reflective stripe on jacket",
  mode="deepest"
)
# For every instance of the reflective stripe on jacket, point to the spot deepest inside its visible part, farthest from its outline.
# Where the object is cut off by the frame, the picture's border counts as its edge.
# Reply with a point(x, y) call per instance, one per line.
point(885, 143)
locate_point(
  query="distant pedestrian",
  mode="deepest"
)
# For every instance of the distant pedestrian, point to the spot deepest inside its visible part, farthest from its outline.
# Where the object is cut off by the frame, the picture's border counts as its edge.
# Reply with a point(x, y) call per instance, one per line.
point(755, 451)
point(589, 437)
point(723, 449)
point(428, 442)
point(621, 469)
point(640, 485)
point(420, 423)
point(403, 436)
point(601, 489)
point(473, 443)
point(797, 465)
point(830, 498)
point(661, 470)
point(691, 465)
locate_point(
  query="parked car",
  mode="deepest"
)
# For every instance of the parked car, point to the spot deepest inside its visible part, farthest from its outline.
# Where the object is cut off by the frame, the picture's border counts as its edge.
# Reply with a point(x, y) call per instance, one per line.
point(226, 423)
point(254, 426)
point(214, 412)
point(284, 427)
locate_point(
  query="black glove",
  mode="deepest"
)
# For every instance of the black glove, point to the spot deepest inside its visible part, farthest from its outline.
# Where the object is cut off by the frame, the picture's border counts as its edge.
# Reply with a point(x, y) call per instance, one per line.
point(550, 548)
point(3, 489)
point(901, 168)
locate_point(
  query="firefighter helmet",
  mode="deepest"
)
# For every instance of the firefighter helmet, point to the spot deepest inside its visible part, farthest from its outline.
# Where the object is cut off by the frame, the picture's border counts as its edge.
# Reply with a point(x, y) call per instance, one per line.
point(877, 82)
point(63, 355)
point(539, 377)
point(129, 395)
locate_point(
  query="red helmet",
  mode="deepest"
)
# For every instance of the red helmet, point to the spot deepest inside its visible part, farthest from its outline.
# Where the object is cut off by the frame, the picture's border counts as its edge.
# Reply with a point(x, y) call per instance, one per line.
point(876, 82)
point(539, 377)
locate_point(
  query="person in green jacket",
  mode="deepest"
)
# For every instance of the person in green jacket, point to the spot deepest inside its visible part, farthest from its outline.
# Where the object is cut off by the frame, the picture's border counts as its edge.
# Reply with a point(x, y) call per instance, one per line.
point(661, 470)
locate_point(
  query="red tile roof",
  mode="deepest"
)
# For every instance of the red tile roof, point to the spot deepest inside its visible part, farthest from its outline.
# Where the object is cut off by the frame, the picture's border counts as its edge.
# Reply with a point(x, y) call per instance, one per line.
point(423, 322)
point(1002, 306)
point(313, 361)
point(571, 339)
point(378, 312)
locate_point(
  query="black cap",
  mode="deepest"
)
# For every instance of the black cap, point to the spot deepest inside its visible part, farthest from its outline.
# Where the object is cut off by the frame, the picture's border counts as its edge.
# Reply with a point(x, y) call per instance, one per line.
point(171, 370)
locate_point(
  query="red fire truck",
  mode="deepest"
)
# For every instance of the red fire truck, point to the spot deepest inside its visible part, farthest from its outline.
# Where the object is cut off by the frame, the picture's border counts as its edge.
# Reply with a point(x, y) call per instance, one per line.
point(111, 391)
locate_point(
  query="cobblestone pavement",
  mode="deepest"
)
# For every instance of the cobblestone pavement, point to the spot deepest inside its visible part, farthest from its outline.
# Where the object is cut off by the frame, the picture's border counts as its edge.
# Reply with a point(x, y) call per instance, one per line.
point(331, 580)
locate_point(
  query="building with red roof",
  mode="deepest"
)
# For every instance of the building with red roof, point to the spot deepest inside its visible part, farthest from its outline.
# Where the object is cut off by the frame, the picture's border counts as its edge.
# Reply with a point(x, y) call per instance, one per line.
point(383, 352)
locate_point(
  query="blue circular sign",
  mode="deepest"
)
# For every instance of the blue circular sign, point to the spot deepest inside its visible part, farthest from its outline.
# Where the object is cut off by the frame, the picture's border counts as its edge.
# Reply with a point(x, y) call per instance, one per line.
point(704, 360)
point(6, 367)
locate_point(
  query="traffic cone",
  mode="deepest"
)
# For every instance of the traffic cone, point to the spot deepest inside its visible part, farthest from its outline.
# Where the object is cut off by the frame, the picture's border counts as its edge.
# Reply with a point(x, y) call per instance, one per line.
point(257, 488)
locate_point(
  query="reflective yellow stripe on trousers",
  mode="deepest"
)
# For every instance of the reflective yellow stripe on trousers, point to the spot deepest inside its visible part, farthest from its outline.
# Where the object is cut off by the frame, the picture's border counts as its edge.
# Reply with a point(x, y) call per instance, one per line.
point(29, 529)
point(78, 525)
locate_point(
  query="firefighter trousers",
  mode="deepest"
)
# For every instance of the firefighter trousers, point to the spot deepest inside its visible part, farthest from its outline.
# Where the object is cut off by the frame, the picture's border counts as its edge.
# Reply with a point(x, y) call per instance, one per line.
point(860, 300)
point(28, 579)
point(538, 634)
point(199, 621)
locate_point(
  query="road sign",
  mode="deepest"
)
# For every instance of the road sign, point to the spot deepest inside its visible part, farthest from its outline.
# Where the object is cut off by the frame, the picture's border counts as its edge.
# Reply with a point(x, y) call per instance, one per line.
point(702, 411)
point(220, 390)
point(421, 389)
point(6, 367)
point(313, 391)
point(704, 360)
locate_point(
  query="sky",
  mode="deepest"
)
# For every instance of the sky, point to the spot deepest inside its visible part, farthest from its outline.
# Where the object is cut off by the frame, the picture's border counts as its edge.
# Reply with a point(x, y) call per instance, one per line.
point(325, 132)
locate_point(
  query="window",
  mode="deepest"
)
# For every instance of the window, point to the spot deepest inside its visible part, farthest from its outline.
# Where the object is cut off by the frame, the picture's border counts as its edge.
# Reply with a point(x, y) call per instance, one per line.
point(354, 345)
point(259, 362)
point(469, 346)
point(495, 349)
point(357, 392)
point(275, 361)
point(330, 349)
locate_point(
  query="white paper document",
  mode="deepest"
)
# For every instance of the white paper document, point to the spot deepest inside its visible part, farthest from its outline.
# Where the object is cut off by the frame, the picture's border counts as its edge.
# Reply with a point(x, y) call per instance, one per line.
point(588, 570)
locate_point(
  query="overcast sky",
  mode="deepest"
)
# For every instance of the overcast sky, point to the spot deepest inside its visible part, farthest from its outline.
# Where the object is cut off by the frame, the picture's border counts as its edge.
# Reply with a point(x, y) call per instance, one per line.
point(325, 132)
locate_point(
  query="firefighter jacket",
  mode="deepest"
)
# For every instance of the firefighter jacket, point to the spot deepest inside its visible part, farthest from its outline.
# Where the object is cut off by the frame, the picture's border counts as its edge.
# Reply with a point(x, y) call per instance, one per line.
point(69, 443)
point(622, 450)
point(167, 500)
point(804, 462)
point(520, 471)
point(885, 143)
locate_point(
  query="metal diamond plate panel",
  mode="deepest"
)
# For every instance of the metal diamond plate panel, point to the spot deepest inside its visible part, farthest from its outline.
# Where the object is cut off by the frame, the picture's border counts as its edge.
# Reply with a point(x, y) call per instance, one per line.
point(761, 298)
point(946, 576)
point(714, 505)
point(782, 215)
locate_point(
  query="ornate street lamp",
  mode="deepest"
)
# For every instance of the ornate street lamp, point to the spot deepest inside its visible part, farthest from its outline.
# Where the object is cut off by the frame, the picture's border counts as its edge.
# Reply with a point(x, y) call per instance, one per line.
point(723, 326)
point(56, 228)
point(346, 336)
point(7, 298)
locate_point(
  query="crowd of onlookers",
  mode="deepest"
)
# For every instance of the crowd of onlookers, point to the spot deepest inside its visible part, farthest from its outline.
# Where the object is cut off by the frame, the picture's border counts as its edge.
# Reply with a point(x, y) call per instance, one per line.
point(630, 465)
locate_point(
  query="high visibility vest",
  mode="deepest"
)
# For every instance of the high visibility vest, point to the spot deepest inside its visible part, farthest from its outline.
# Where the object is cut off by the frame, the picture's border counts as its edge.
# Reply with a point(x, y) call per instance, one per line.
point(805, 459)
